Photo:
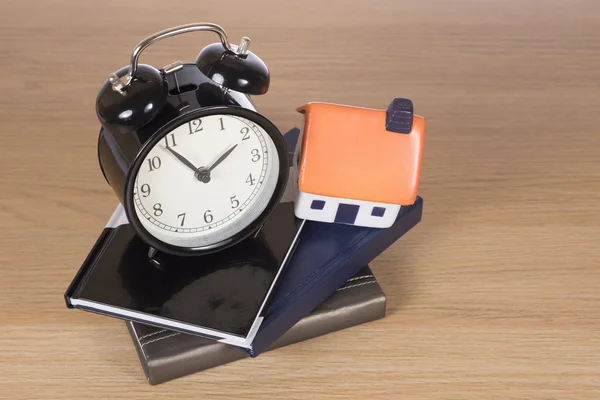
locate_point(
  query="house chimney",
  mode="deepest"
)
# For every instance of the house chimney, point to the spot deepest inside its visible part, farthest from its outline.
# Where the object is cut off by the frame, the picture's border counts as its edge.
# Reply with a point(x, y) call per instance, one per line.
point(399, 116)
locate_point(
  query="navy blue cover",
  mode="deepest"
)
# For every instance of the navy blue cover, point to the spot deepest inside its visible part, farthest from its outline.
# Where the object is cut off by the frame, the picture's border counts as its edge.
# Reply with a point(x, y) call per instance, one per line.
point(326, 257)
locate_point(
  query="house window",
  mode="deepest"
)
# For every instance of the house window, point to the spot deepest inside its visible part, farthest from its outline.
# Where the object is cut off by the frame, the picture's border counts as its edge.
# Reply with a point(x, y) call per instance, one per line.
point(378, 211)
point(317, 205)
point(346, 213)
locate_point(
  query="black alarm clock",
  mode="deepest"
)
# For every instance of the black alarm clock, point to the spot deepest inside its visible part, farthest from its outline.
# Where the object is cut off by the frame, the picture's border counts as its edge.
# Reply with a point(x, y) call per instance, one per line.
point(195, 166)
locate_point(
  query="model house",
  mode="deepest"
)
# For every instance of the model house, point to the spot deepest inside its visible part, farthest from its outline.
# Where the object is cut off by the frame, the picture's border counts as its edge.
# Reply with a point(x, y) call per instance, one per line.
point(356, 165)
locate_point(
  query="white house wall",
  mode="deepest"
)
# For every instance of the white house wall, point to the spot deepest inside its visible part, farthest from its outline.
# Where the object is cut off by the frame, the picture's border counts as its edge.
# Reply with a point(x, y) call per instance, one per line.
point(303, 210)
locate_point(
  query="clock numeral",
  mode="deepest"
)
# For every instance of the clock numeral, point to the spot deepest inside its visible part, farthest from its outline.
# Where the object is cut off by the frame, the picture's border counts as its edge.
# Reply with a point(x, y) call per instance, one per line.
point(250, 180)
point(235, 203)
point(245, 133)
point(172, 141)
point(145, 190)
point(154, 163)
point(195, 125)
point(208, 218)
point(182, 216)
point(157, 210)
point(255, 155)
point(222, 126)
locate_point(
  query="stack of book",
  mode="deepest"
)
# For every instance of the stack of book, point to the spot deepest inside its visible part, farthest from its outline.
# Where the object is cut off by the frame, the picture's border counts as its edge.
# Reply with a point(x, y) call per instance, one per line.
point(297, 280)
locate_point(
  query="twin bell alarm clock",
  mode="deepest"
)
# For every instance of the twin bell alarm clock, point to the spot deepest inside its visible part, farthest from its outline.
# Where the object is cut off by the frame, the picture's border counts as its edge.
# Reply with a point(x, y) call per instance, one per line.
point(193, 163)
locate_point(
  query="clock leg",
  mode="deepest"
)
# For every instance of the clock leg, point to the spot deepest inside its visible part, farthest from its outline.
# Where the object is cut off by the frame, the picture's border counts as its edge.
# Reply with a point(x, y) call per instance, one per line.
point(154, 260)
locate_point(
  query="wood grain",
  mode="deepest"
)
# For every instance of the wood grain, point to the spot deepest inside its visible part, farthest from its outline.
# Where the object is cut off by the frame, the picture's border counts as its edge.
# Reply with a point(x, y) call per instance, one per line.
point(494, 295)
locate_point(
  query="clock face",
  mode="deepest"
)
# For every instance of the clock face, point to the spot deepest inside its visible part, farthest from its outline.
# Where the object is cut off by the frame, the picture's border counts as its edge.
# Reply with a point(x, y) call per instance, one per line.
point(206, 180)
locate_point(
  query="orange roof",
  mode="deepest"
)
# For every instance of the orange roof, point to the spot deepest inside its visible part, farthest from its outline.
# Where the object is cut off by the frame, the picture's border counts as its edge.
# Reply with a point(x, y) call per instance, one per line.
point(347, 152)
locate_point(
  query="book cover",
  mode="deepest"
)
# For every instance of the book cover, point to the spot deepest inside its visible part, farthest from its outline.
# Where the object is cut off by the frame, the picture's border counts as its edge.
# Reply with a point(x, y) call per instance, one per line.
point(326, 257)
point(220, 296)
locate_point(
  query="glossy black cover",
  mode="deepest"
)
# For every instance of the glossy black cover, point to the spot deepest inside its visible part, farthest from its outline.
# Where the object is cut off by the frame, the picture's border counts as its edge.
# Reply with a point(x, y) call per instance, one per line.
point(222, 291)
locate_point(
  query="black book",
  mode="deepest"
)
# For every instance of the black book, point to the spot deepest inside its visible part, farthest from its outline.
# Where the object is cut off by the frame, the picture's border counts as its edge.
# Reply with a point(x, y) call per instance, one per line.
point(220, 296)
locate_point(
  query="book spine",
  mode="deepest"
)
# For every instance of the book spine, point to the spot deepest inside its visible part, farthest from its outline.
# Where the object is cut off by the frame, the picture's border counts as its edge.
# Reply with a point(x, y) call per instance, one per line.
point(73, 288)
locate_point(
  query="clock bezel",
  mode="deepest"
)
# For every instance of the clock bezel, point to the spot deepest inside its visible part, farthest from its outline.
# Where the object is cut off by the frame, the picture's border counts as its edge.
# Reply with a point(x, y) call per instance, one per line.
point(251, 228)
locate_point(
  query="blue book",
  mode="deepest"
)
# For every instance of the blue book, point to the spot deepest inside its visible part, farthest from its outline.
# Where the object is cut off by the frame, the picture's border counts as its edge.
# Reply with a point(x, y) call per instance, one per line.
point(326, 257)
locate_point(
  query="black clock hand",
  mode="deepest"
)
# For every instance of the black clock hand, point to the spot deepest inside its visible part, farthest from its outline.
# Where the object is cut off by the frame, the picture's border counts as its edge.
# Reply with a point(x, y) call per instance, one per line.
point(223, 157)
point(183, 159)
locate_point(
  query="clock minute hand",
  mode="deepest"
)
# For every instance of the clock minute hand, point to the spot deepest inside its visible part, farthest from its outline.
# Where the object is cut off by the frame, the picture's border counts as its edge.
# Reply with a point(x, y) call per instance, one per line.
point(183, 159)
point(220, 159)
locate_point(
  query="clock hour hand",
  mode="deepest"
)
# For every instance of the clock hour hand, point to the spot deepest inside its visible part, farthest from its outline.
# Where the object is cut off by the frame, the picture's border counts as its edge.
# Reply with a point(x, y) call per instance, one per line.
point(221, 158)
point(183, 159)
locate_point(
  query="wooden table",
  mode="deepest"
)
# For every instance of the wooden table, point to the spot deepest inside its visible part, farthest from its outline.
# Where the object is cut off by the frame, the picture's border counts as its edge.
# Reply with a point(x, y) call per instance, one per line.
point(496, 294)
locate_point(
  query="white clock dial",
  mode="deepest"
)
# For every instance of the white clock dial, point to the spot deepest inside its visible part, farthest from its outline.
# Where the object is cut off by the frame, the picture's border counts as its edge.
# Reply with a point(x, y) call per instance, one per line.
point(206, 180)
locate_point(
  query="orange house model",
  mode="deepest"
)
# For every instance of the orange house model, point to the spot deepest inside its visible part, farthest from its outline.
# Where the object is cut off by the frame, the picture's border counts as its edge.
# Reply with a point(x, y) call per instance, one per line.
point(356, 165)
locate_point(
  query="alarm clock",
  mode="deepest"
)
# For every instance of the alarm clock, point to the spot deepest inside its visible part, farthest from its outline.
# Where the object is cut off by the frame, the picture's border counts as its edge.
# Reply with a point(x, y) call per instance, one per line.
point(193, 163)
